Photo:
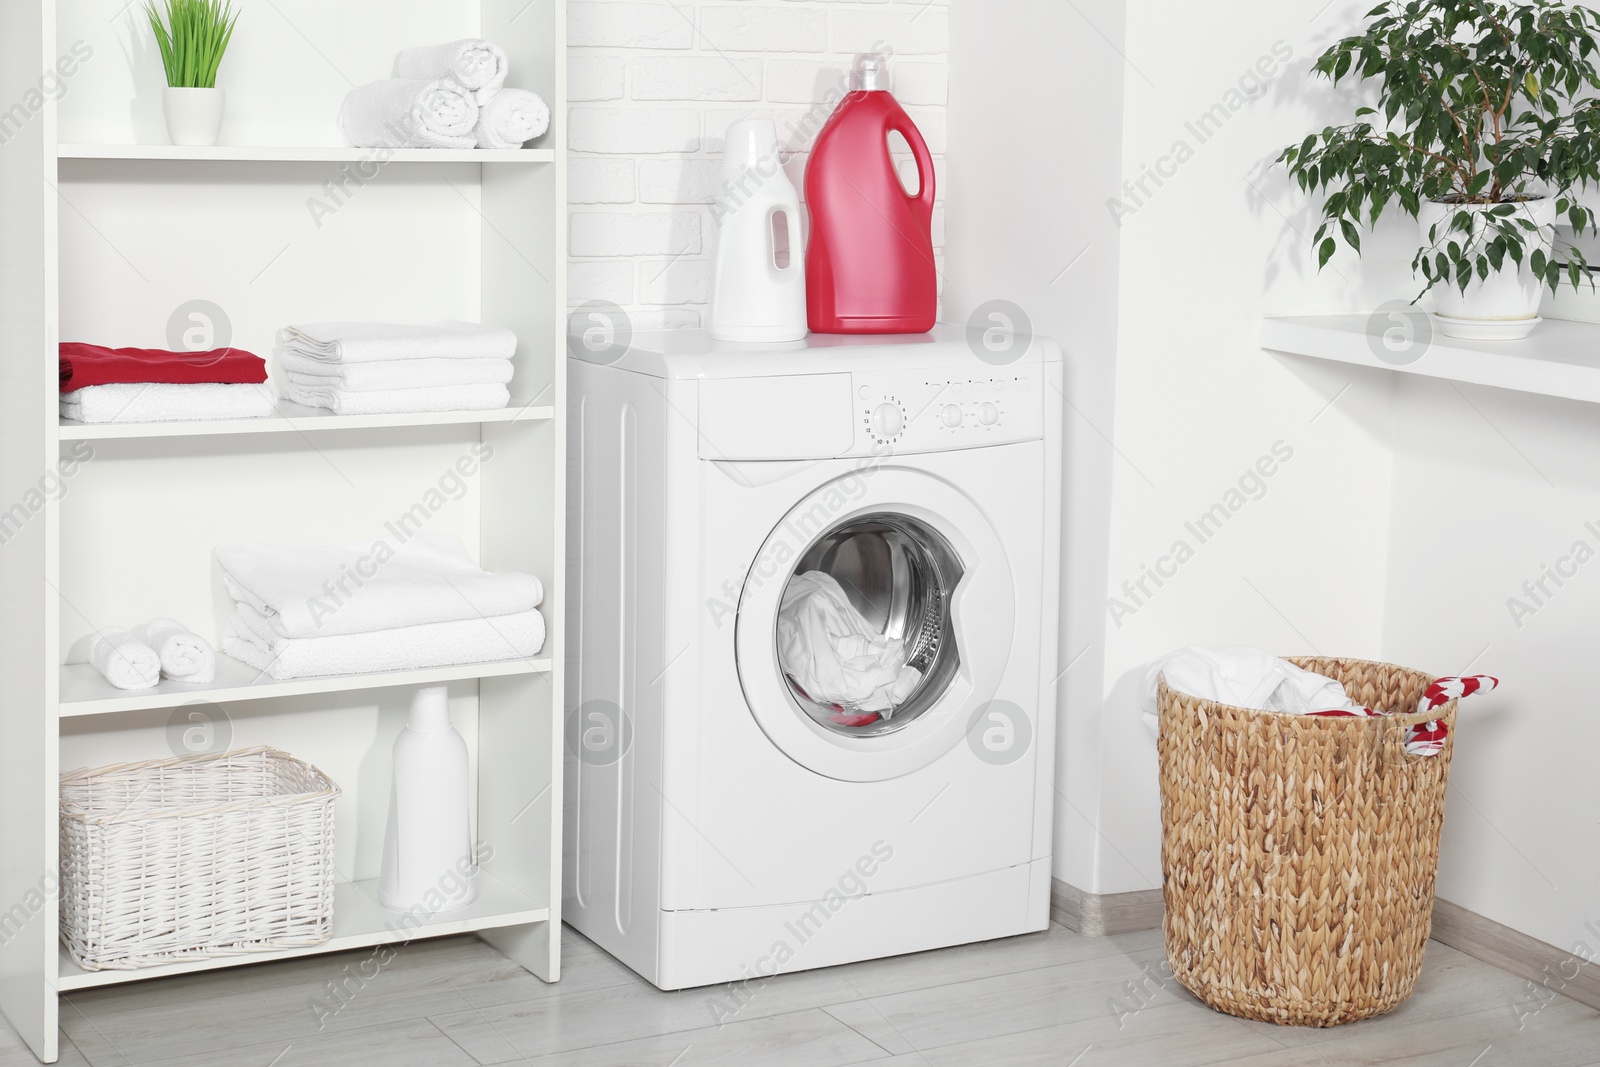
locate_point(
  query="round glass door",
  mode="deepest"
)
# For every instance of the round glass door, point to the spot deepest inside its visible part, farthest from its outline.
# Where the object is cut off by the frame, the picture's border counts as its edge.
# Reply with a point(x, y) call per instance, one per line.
point(864, 634)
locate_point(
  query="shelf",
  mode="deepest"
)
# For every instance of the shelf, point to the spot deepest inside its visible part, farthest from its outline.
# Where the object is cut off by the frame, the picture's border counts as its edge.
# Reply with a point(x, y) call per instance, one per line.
point(1560, 358)
point(294, 419)
point(359, 921)
point(284, 154)
point(85, 692)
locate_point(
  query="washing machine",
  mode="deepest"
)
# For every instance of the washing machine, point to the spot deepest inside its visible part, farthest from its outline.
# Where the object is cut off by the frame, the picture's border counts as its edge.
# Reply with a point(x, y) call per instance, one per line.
point(724, 823)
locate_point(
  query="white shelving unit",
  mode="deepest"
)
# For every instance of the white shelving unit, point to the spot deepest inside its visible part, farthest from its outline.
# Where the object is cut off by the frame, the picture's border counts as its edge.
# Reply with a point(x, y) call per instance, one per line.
point(1560, 358)
point(108, 234)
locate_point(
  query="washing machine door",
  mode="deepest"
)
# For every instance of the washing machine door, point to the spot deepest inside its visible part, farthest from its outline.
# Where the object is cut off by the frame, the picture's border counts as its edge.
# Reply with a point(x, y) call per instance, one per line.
point(874, 624)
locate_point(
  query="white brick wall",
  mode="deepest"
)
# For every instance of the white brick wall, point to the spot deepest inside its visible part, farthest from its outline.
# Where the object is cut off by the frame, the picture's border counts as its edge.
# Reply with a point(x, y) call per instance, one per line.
point(654, 85)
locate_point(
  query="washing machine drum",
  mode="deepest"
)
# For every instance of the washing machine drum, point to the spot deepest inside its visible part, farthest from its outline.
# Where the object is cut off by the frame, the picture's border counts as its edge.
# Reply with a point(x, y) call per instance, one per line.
point(889, 623)
point(865, 640)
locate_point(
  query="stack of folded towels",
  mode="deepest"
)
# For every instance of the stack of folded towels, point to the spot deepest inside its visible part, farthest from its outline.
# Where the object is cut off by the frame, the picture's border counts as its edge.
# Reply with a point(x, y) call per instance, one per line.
point(444, 96)
point(309, 612)
point(100, 384)
point(372, 368)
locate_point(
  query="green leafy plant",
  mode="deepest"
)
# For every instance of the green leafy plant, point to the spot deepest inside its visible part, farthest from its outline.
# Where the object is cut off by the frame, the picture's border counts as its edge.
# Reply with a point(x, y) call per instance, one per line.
point(192, 39)
point(1484, 105)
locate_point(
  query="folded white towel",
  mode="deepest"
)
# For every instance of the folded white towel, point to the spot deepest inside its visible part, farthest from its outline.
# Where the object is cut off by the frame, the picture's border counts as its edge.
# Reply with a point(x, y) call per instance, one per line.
point(249, 638)
point(164, 402)
point(510, 118)
point(390, 374)
point(470, 63)
point(185, 655)
point(485, 397)
point(372, 342)
point(317, 592)
point(126, 661)
point(409, 113)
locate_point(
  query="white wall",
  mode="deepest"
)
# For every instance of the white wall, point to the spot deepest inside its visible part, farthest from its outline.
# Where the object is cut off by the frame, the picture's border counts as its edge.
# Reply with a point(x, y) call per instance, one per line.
point(1173, 401)
point(1032, 163)
point(1522, 842)
point(653, 87)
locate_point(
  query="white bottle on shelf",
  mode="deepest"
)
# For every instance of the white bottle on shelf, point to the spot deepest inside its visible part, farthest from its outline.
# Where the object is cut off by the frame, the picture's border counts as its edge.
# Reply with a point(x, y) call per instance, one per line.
point(428, 860)
point(759, 291)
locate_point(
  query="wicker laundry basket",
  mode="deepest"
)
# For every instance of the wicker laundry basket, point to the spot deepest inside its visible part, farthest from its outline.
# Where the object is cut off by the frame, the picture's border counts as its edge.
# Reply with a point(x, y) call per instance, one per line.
point(193, 857)
point(1300, 852)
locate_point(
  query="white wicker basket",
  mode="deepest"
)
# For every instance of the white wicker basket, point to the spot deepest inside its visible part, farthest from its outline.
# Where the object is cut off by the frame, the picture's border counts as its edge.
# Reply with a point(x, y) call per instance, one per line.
point(195, 857)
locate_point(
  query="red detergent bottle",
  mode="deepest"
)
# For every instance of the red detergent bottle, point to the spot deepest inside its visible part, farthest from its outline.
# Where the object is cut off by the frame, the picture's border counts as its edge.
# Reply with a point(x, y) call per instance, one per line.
point(869, 267)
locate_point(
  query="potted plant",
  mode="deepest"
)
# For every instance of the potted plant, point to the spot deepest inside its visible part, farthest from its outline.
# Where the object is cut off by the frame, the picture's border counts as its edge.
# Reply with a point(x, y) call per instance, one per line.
point(192, 39)
point(1485, 127)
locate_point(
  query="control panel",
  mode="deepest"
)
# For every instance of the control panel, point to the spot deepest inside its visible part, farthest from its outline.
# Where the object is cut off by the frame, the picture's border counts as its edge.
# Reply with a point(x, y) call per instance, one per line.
point(929, 411)
point(869, 413)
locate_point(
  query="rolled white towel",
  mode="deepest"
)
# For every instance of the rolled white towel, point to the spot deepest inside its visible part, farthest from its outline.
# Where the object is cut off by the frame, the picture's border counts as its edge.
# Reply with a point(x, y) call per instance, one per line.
point(390, 374)
point(485, 396)
point(471, 63)
point(374, 342)
point(510, 118)
point(409, 113)
point(185, 655)
point(126, 662)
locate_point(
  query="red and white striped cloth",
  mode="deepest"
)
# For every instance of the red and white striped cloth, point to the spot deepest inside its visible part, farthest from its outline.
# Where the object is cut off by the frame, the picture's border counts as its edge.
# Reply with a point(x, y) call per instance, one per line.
point(1427, 739)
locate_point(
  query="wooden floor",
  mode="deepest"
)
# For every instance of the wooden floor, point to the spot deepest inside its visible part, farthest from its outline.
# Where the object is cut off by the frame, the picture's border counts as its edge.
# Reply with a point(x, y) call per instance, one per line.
point(1052, 998)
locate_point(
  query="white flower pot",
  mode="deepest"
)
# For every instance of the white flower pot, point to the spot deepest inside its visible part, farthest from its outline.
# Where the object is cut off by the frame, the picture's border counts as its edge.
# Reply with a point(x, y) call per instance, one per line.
point(194, 116)
point(1505, 304)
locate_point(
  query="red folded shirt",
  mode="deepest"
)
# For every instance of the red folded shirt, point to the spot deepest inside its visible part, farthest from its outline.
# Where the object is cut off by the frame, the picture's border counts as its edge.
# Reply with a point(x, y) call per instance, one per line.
point(83, 365)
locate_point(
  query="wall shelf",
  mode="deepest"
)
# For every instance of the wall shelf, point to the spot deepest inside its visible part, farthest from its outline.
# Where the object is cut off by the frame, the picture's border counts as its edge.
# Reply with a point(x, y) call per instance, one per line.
point(1560, 358)
point(359, 921)
point(295, 419)
point(288, 154)
point(85, 692)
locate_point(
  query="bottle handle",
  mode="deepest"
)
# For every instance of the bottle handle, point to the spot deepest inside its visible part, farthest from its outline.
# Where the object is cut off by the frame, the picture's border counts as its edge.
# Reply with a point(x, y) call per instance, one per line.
point(797, 248)
point(903, 125)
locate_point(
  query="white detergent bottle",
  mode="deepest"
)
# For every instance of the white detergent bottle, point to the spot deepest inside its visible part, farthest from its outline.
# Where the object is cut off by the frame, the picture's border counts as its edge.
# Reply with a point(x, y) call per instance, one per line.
point(759, 294)
point(428, 860)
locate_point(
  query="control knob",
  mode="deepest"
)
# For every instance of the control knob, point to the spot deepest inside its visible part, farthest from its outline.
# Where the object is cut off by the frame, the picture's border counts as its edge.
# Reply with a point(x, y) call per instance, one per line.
point(888, 421)
point(988, 414)
point(951, 416)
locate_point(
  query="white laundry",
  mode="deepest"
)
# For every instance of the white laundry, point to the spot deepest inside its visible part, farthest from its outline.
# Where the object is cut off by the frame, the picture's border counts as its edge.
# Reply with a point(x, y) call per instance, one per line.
point(1245, 678)
point(312, 373)
point(509, 118)
point(167, 402)
point(485, 396)
point(471, 63)
point(126, 661)
point(250, 637)
point(409, 113)
point(372, 342)
point(185, 655)
point(830, 650)
point(321, 592)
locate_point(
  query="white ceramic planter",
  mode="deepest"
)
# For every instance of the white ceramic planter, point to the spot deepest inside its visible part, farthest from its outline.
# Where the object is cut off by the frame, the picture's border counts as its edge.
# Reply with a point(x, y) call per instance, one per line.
point(194, 116)
point(1504, 305)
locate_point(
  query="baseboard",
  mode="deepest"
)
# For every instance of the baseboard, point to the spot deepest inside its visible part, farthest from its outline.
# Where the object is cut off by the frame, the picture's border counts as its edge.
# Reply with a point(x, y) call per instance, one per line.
point(1097, 915)
point(1516, 953)
point(1101, 914)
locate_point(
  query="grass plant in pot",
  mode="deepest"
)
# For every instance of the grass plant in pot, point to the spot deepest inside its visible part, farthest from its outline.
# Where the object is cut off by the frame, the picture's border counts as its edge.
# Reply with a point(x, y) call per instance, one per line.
point(1485, 127)
point(192, 36)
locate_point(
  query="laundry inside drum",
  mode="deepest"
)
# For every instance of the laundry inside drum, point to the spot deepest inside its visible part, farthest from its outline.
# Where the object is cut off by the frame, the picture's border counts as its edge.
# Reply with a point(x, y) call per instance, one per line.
point(864, 634)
